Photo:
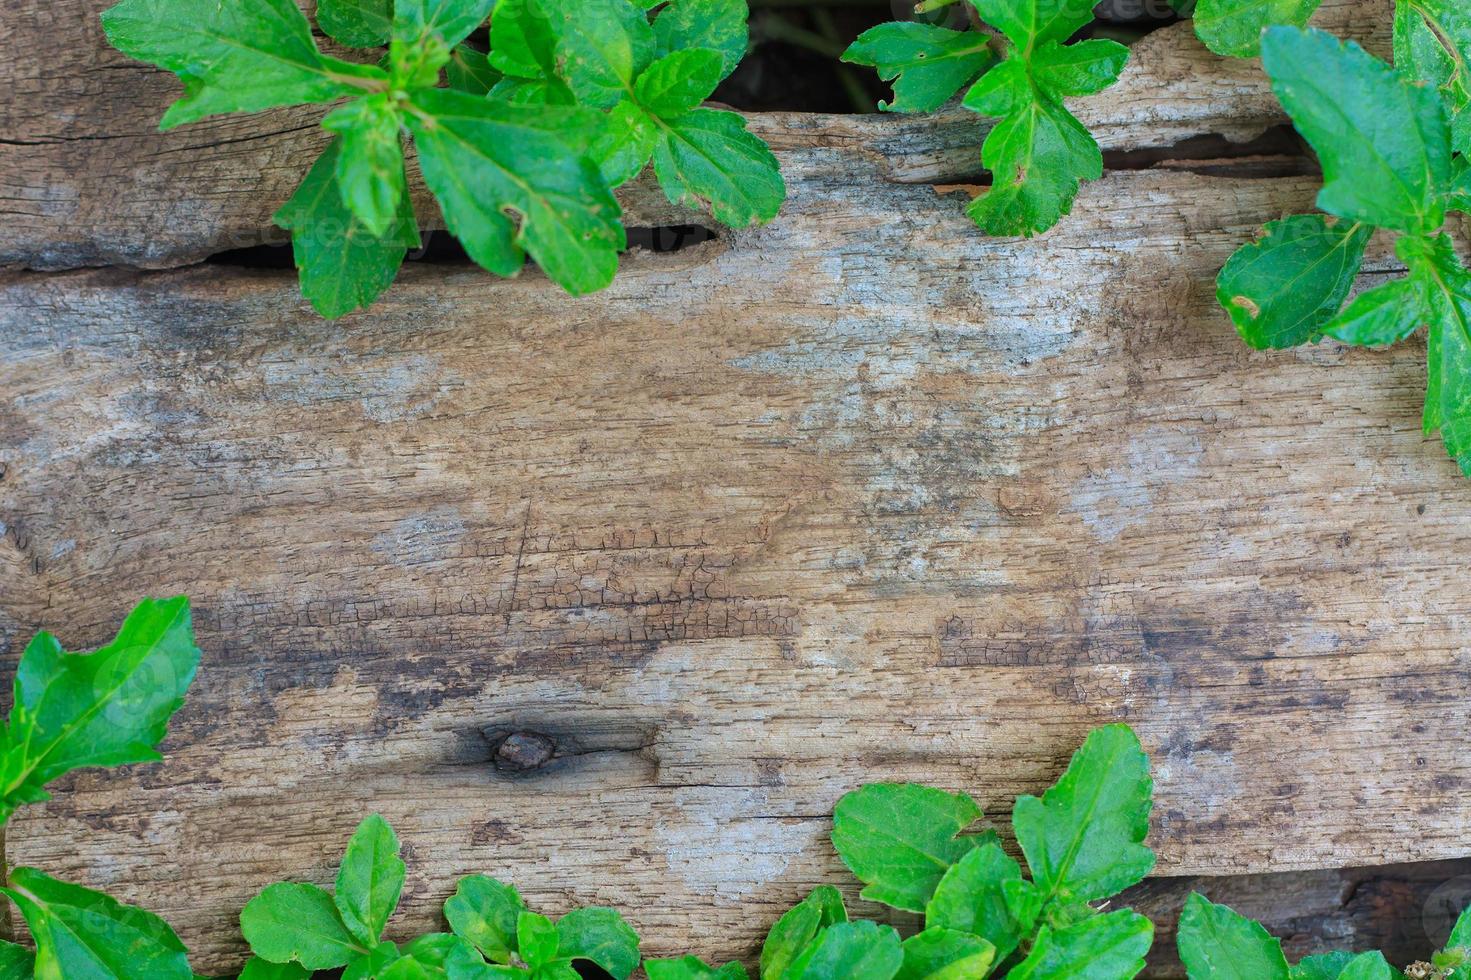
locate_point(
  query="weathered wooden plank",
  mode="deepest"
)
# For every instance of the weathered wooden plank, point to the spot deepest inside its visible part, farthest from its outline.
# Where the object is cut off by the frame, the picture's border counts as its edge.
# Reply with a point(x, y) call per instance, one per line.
point(858, 495)
point(85, 178)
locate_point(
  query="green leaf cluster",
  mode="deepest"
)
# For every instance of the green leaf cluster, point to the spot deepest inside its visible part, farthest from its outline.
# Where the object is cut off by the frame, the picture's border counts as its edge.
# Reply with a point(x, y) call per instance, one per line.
point(522, 146)
point(297, 929)
point(1038, 152)
point(1217, 943)
point(1393, 145)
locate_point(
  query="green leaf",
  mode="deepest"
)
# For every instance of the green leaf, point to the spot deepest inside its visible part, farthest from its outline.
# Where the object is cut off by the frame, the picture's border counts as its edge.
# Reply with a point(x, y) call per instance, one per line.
point(82, 933)
point(1281, 289)
point(258, 969)
point(1460, 193)
point(797, 927)
point(899, 839)
point(1216, 943)
point(706, 159)
point(469, 70)
point(450, 21)
point(1445, 286)
point(242, 56)
point(484, 911)
point(356, 23)
point(1324, 966)
point(1111, 945)
point(1383, 141)
point(370, 161)
point(1367, 966)
point(850, 951)
point(625, 144)
point(1078, 69)
point(1084, 838)
point(108, 708)
point(602, 48)
point(599, 935)
point(1432, 44)
point(1234, 27)
point(536, 939)
point(523, 39)
point(972, 897)
point(19, 963)
point(371, 965)
point(441, 954)
point(692, 968)
point(945, 954)
point(1380, 316)
point(290, 922)
point(719, 25)
point(482, 159)
point(369, 880)
point(927, 64)
point(678, 82)
point(342, 265)
point(1031, 23)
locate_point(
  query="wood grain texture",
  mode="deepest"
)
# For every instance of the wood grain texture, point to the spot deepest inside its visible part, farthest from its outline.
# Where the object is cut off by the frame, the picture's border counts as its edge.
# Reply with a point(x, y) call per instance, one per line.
point(858, 495)
point(86, 179)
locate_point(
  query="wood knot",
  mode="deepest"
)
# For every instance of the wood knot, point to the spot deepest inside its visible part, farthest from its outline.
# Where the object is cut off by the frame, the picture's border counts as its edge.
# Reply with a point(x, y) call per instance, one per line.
point(523, 751)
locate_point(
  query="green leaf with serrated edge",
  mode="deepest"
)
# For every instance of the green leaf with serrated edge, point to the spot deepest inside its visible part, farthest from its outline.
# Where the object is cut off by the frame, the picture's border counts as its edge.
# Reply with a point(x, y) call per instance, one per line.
point(1445, 286)
point(1382, 140)
point(356, 23)
point(451, 21)
point(484, 911)
point(242, 56)
point(899, 839)
point(707, 160)
point(1368, 966)
point(599, 935)
point(850, 951)
point(83, 933)
point(945, 954)
point(1324, 966)
point(1459, 198)
point(370, 160)
point(1084, 839)
point(107, 708)
point(523, 39)
point(1030, 23)
point(1110, 946)
point(369, 880)
point(625, 144)
point(927, 64)
point(372, 965)
point(1380, 316)
point(19, 963)
point(971, 897)
point(482, 159)
point(1216, 943)
point(600, 46)
point(678, 82)
point(468, 70)
point(299, 923)
point(797, 927)
point(1282, 288)
point(1432, 44)
point(1234, 27)
point(342, 266)
point(442, 954)
point(719, 25)
point(1078, 69)
point(692, 968)
point(536, 938)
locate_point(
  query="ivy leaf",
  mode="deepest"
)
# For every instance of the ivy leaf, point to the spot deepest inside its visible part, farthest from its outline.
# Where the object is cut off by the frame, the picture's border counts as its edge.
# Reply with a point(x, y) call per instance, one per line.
point(299, 923)
point(369, 880)
point(356, 23)
point(1218, 944)
point(482, 159)
point(370, 161)
point(692, 968)
point(107, 708)
point(1446, 288)
point(1084, 838)
point(706, 159)
point(1383, 141)
point(469, 70)
point(1324, 966)
point(927, 64)
point(536, 939)
point(900, 839)
point(972, 897)
point(1282, 289)
point(82, 933)
point(1108, 945)
point(1432, 44)
point(484, 911)
point(678, 82)
point(850, 950)
point(1380, 316)
point(797, 927)
point(342, 265)
point(19, 963)
point(242, 56)
point(719, 25)
point(945, 954)
point(599, 935)
point(1234, 27)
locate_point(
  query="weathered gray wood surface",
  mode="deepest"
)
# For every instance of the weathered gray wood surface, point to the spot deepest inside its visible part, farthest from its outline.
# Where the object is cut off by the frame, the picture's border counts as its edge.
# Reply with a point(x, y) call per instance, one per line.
point(858, 495)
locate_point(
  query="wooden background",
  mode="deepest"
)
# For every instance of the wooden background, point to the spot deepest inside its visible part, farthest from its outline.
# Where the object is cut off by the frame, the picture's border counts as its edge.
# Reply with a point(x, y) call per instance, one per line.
point(861, 494)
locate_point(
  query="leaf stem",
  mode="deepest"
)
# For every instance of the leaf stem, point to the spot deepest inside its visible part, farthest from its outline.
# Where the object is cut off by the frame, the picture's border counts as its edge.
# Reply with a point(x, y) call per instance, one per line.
point(930, 6)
